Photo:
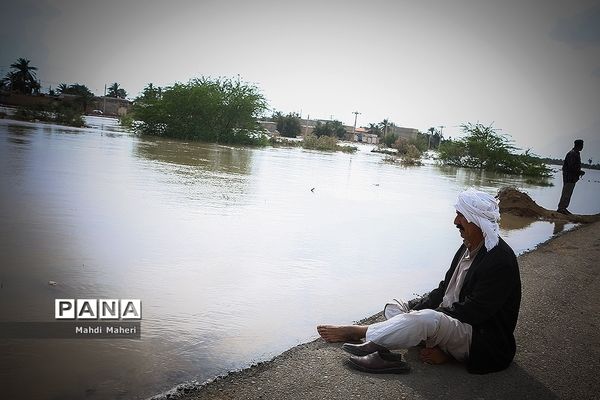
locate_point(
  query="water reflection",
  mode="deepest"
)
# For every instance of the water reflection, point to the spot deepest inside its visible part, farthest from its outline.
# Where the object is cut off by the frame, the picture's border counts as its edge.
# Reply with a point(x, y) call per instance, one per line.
point(208, 157)
point(559, 226)
point(216, 176)
point(512, 222)
point(20, 135)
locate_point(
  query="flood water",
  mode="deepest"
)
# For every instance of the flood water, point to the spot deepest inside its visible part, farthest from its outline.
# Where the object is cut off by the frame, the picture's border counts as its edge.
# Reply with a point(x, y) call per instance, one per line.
point(236, 253)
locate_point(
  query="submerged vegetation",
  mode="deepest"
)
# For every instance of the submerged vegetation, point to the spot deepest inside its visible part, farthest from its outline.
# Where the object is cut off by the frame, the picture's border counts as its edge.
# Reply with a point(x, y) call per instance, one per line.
point(313, 142)
point(408, 151)
point(58, 113)
point(484, 148)
point(326, 143)
point(217, 110)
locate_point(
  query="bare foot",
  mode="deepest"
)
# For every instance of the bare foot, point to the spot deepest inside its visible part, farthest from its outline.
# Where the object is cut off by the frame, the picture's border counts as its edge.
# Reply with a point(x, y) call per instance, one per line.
point(332, 333)
point(434, 355)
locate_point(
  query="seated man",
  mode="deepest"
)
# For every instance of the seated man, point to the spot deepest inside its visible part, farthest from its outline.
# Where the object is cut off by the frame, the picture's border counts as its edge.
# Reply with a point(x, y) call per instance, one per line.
point(471, 316)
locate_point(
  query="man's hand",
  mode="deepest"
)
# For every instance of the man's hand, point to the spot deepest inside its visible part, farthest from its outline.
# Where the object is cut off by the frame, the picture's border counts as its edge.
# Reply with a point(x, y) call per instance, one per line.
point(403, 306)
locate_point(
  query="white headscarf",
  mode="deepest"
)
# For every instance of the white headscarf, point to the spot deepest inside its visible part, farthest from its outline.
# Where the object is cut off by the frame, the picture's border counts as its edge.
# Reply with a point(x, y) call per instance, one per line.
point(481, 209)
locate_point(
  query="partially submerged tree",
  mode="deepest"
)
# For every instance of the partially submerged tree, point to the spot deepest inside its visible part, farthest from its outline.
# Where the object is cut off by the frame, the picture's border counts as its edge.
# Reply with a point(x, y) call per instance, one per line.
point(407, 151)
point(82, 94)
point(288, 125)
point(330, 128)
point(218, 110)
point(484, 148)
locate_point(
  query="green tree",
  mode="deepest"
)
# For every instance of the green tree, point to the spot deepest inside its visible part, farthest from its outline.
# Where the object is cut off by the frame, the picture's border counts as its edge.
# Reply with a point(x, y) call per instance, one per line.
point(383, 125)
point(407, 150)
point(484, 148)
point(82, 94)
point(375, 129)
point(218, 110)
point(434, 137)
point(288, 125)
point(62, 88)
point(116, 91)
point(390, 138)
point(21, 78)
point(330, 128)
point(151, 93)
point(421, 142)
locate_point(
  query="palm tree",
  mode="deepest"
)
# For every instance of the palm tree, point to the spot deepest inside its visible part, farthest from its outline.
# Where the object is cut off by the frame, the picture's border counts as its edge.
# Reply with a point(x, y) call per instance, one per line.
point(383, 125)
point(81, 94)
point(115, 91)
point(63, 88)
point(22, 77)
point(374, 129)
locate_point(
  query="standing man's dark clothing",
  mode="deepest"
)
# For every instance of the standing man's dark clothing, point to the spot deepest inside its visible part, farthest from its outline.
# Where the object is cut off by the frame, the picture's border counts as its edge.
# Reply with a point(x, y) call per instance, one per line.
point(571, 173)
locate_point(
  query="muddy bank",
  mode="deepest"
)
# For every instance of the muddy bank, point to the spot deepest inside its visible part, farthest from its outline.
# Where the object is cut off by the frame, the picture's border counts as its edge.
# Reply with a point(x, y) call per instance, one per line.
point(515, 202)
point(558, 341)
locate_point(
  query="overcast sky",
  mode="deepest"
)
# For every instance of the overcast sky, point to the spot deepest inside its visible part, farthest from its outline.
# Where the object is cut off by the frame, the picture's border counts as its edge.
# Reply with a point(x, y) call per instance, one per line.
point(532, 68)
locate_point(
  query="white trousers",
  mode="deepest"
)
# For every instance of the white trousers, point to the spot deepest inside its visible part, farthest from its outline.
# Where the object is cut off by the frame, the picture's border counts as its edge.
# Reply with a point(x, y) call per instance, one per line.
point(402, 330)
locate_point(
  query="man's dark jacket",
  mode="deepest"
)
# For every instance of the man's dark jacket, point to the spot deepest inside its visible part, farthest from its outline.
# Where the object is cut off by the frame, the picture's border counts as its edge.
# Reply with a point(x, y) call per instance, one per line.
point(572, 166)
point(489, 301)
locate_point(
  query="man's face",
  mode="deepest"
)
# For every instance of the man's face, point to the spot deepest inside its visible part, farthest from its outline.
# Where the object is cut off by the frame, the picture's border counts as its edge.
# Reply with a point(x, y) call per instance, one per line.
point(468, 230)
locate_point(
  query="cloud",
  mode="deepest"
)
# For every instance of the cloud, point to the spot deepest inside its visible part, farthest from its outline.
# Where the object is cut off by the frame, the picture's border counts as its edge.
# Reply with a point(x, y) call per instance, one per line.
point(581, 29)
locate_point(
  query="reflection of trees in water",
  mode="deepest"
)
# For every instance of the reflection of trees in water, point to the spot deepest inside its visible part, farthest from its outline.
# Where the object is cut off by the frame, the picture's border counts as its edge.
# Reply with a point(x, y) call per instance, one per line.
point(482, 178)
point(19, 134)
point(209, 157)
point(216, 175)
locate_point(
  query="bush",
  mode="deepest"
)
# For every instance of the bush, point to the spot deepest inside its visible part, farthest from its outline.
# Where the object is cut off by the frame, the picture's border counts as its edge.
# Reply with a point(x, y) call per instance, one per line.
point(409, 153)
point(325, 143)
point(59, 113)
point(330, 128)
point(390, 138)
point(483, 147)
point(126, 121)
point(288, 125)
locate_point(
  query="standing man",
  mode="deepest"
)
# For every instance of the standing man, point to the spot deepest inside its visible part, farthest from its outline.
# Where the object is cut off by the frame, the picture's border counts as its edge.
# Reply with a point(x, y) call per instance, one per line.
point(571, 173)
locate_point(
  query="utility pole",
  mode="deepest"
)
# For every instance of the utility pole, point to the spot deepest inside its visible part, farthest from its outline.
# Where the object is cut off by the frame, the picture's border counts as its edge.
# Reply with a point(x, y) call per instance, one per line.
point(104, 101)
point(355, 117)
point(306, 125)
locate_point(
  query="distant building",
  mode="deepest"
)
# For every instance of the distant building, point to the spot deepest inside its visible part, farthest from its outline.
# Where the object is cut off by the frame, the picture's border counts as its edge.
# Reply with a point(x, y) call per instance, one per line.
point(17, 99)
point(406, 133)
point(363, 136)
point(110, 106)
